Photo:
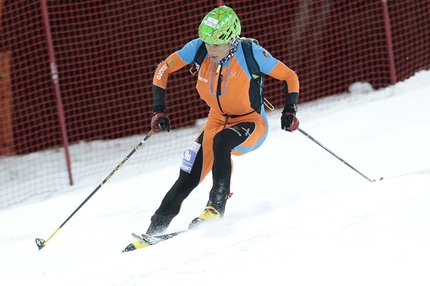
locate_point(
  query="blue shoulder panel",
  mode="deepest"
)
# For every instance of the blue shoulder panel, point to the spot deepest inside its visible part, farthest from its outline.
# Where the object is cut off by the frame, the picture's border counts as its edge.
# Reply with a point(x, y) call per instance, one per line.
point(188, 52)
point(264, 59)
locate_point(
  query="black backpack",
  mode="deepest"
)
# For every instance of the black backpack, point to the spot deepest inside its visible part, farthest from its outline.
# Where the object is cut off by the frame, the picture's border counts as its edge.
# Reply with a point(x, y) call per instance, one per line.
point(256, 85)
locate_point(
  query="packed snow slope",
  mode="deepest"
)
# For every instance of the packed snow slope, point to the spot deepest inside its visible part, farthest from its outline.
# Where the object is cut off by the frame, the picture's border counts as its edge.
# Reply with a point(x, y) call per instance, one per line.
point(298, 215)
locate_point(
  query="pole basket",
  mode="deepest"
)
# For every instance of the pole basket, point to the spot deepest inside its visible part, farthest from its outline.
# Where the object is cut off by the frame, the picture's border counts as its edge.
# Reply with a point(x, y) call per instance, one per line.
point(40, 243)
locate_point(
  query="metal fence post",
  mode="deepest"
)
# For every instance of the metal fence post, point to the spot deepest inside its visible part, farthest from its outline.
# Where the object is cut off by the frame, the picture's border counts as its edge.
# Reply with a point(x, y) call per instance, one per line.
point(54, 74)
point(391, 63)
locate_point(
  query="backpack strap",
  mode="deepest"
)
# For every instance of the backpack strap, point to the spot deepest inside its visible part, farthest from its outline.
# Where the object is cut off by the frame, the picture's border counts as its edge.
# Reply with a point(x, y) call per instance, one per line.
point(253, 67)
point(254, 70)
point(256, 83)
point(198, 59)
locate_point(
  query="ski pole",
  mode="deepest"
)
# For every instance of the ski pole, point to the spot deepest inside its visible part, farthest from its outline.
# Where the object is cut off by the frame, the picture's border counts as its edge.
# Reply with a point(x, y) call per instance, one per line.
point(343, 161)
point(41, 242)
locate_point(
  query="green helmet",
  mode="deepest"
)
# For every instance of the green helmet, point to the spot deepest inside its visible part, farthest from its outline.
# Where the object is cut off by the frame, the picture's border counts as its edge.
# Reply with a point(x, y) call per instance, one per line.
point(219, 26)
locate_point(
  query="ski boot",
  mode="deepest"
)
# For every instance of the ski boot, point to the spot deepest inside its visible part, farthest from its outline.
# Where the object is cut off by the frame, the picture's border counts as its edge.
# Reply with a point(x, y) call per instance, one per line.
point(208, 214)
point(159, 224)
point(215, 207)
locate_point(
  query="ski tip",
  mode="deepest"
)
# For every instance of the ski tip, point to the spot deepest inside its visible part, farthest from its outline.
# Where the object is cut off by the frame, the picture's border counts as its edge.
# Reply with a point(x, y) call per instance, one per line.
point(129, 248)
point(144, 241)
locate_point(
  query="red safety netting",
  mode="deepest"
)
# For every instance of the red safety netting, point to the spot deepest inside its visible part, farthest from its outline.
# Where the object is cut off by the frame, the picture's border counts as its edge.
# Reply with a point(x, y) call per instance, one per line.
point(74, 72)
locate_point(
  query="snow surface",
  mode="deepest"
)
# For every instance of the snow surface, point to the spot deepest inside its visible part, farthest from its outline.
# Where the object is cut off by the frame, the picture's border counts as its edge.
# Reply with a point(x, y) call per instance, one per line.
point(298, 215)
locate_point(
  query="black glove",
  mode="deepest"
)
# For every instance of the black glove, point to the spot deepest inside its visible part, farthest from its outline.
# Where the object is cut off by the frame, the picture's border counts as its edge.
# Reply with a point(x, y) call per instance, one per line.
point(289, 122)
point(160, 122)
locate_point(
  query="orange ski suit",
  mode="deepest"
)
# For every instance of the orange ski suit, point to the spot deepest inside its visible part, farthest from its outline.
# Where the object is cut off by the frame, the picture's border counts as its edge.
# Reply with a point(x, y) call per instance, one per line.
point(232, 105)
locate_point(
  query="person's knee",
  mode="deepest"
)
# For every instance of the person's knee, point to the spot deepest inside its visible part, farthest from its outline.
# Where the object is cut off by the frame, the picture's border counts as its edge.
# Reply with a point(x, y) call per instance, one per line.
point(223, 141)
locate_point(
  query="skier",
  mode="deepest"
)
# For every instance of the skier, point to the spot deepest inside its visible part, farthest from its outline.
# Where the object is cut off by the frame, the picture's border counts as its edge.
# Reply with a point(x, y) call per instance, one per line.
point(236, 123)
